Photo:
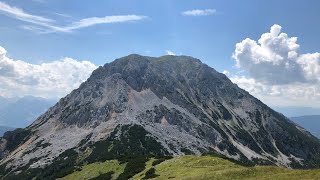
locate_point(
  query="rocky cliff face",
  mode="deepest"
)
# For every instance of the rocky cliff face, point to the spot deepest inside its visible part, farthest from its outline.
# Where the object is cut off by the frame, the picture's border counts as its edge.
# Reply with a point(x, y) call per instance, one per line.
point(171, 105)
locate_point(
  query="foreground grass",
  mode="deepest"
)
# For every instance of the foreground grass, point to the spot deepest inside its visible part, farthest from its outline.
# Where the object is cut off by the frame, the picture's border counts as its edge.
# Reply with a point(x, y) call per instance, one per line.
point(193, 167)
point(96, 169)
point(207, 167)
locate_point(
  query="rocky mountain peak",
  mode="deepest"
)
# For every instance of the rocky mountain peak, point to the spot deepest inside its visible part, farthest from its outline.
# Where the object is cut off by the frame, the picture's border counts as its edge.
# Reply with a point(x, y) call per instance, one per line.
point(170, 105)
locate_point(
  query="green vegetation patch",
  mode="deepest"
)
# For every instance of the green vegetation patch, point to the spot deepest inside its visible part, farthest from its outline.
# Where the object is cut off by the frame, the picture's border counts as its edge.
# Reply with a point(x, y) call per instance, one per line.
point(104, 176)
point(209, 167)
point(110, 168)
point(134, 141)
point(133, 167)
point(16, 137)
point(190, 167)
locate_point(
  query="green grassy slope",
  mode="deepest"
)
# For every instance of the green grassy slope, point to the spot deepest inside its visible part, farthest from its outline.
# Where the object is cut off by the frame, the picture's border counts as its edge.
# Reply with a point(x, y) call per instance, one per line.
point(94, 170)
point(193, 167)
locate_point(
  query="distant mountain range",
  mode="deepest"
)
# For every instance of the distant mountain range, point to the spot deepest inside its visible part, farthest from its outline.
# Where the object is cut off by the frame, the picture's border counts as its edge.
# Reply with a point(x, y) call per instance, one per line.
point(310, 123)
point(306, 117)
point(294, 111)
point(20, 112)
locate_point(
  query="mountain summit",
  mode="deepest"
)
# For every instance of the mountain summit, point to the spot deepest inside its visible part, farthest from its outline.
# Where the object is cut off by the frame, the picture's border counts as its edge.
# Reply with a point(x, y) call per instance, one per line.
point(171, 105)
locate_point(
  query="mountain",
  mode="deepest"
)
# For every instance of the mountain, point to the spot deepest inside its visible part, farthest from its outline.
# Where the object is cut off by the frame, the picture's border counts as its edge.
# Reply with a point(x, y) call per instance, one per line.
point(4, 129)
point(5, 101)
point(139, 106)
point(21, 112)
point(311, 123)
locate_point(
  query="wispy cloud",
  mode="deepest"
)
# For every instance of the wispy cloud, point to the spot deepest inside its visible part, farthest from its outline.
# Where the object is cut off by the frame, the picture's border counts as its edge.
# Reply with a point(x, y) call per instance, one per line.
point(21, 15)
point(39, 1)
point(46, 25)
point(62, 15)
point(103, 20)
point(170, 53)
point(199, 12)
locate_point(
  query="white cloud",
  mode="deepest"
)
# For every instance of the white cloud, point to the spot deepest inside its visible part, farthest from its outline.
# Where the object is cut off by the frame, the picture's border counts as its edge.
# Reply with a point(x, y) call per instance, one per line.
point(39, 1)
point(170, 53)
point(274, 59)
point(67, 16)
point(295, 94)
point(199, 12)
point(3, 52)
point(103, 20)
point(21, 15)
point(49, 80)
point(46, 25)
point(277, 73)
point(310, 64)
point(225, 72)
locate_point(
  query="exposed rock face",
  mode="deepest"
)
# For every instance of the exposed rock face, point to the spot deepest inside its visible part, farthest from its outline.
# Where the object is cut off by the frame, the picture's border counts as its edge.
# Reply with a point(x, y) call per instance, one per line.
point(169, 105)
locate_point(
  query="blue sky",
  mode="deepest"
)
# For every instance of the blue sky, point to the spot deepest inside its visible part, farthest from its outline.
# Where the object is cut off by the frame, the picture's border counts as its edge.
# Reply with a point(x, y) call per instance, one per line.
point(210, 38)
point(158, 27)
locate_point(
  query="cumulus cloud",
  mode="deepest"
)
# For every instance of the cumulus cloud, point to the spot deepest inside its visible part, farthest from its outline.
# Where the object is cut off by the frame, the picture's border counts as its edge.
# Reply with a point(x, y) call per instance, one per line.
point(199, 12)
point(275, 59)
point(310, 64)
point(170, 53)
point(3, 52)
point(225, 72)
point(48, 80)
point(46, 25)
point(276, 72)
point(294, 94)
